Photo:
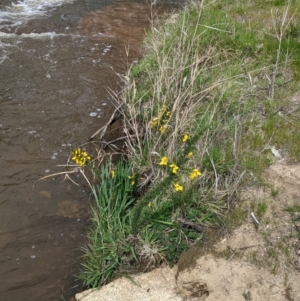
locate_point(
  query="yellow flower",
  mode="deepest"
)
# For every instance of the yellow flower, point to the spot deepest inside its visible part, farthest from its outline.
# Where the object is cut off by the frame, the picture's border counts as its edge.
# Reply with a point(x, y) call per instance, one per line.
point(161, 111)
point(112, 173)
point(163, 161)
point(190, 154)
point(80, 157)
point(154, 122)
point(178, 187)
point(185, 138)
point(174, 168)
point(162, 128)
point(168, 114)
point(149, 204)
point(132, 182)
point(195, 173)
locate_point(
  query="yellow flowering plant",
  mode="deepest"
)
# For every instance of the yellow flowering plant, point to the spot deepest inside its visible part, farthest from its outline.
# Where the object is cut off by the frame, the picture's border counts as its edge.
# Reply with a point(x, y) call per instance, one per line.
point(162, 128)
point(162, 110)
point(174, 168)
point(162, 118)
point(132, 182)
point(79, 157)
point(163, 161)
point(154, 122)
point(185, 138)
point(178, 187)
point(190, 155)
point(194, 173)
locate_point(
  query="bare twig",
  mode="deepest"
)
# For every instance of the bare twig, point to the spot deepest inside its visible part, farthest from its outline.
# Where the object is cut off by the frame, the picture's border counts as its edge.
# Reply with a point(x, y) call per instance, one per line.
point(66, 173)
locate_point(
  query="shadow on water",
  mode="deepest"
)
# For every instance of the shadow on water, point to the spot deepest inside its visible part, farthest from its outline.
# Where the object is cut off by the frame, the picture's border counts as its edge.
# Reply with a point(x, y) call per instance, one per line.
point(54, 75)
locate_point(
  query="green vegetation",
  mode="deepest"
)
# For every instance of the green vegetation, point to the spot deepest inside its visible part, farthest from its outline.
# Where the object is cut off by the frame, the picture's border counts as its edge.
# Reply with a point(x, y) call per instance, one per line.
point(110, 225)
point(202, 110)
point(260, 208)
point(293, 209)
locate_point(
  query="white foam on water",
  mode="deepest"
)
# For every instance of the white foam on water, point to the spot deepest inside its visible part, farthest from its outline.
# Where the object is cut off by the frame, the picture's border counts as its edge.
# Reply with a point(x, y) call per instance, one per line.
point(4, 50)
point(43, 35)
point(3, 58)
point(95, 62)
point(21, 11)
point(10, 41)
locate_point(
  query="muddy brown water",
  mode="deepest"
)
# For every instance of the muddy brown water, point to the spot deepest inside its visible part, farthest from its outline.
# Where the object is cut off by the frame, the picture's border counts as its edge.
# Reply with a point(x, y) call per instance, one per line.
point(54, 73)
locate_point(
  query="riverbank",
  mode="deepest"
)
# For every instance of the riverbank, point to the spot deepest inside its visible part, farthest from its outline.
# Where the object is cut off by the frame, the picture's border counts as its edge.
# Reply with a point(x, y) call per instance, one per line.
point(206, 111)
point(252, 262)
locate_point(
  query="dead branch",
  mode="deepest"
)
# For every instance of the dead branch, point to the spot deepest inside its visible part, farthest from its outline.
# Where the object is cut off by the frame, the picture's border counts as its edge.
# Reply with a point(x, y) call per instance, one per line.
point(114, 117)
point(188, 224)
point(106, 144)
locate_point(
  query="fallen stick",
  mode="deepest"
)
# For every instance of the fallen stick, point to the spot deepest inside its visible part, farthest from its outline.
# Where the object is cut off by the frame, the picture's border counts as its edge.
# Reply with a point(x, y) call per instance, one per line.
point(189, 224)
point(106, 144)
point(114, 117)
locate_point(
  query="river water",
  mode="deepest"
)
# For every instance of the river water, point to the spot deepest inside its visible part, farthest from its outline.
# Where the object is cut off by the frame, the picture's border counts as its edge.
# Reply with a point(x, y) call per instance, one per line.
point(57, 59)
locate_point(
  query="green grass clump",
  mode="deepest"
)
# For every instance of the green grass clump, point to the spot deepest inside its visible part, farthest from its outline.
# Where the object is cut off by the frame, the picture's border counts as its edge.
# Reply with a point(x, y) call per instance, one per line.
point(202, 110)
point(107, 243)
point(294, 208)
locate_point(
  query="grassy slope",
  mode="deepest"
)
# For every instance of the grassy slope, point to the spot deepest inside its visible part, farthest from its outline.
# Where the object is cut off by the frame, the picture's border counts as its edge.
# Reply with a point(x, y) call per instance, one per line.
point(202, 110)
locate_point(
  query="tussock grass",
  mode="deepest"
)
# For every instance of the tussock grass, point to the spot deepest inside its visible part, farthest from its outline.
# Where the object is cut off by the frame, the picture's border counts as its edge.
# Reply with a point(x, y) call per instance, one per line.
point(110, 225)
point(202, 110)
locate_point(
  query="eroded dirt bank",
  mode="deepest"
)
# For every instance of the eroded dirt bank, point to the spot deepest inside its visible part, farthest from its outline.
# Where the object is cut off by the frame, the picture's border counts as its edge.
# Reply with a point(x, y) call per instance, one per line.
point(254, 262)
